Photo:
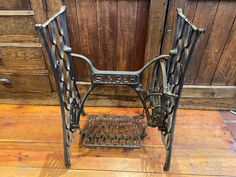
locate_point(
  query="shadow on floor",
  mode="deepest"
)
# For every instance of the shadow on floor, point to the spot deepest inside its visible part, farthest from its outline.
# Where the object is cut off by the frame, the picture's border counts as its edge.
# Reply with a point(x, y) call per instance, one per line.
point(53, 166)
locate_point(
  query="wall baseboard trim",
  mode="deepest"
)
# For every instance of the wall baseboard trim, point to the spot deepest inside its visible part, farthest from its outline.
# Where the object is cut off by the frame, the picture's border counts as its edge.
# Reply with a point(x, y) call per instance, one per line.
point(193, 97)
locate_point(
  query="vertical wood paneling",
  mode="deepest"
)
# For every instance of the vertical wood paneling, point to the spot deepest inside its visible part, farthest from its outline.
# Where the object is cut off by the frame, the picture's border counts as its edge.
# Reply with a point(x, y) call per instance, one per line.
point(212, 63)
point(232, 79)
point(227, 61)
point(204, 17)
point(156, 21)
point(111, 33)
point(189, 8)
point(40, 15)
point(141, 33)
point(73, 29)
point(127, 15)
point(53, 6)
point(88, 31)
point(216, 42)
point(96, 23)
point(107, 32)
point(123, 35)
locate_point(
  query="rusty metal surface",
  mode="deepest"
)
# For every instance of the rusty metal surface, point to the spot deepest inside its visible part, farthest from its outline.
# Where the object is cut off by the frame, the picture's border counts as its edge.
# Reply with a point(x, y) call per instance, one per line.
point(114, 131)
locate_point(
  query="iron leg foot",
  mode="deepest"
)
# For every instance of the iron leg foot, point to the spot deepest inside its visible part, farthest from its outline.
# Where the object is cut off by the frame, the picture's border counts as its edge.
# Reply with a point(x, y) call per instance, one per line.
point(67, 164)
point(166, 166)
point(67, 157)
point(83, 112)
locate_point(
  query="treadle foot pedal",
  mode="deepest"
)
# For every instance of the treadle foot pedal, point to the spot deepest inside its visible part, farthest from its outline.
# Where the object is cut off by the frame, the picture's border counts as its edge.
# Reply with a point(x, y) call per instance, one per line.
point(114, 131)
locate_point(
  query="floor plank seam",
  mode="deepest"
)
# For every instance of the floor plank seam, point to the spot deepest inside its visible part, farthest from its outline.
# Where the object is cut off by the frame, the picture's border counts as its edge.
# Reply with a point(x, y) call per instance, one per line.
point(124, 171)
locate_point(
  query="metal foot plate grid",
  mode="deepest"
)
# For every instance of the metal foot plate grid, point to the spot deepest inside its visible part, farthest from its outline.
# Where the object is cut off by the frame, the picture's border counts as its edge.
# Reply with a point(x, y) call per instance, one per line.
point(114, 131)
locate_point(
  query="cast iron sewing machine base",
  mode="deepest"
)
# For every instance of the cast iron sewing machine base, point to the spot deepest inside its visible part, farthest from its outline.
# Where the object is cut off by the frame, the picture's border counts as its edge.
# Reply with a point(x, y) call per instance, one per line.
point(160, 100)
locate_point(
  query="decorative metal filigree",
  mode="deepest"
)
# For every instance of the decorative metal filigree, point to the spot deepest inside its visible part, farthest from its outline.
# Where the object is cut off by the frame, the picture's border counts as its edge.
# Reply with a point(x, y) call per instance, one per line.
point(160, 101)
point(55, 38)
point(168, 79)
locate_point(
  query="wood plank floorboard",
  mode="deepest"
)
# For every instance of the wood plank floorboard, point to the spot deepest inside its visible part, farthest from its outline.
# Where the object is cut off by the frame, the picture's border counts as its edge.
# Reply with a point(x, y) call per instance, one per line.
point(31, 145)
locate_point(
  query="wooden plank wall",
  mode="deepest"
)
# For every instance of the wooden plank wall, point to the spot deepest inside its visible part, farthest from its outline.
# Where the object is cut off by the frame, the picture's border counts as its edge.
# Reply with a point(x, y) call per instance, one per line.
point(119, 35)
point(114, 33)
point(111, 33)
point(215, 62)
point(106, 26)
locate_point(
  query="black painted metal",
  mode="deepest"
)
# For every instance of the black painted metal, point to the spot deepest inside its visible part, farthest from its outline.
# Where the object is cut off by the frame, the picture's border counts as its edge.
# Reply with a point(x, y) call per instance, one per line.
point(160, 101)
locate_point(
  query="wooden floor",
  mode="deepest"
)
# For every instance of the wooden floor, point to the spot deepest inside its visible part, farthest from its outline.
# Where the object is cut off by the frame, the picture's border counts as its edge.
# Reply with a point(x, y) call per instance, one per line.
point(31, 145)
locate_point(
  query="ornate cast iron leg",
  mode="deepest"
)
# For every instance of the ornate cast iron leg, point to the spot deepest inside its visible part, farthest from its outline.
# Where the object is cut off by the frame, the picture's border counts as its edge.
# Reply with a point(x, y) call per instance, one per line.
point(160, 101)
point(158, 114)
point(166, 166)
point(65, 144)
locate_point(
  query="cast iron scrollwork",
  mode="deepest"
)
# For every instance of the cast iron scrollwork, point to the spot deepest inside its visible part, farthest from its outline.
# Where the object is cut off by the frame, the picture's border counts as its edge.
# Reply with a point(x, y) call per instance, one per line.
point(160, 101)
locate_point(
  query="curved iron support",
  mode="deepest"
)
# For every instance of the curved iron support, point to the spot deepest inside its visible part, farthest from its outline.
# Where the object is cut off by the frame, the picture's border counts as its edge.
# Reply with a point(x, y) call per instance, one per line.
point(160, 101)
point(126, 78)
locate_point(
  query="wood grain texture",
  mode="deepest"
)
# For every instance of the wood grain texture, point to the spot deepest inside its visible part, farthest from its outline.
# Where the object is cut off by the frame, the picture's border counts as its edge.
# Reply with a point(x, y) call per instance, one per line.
point(96, 100)
point(29, 172)
point(189, 8)
point(74, 35)
point(29, 98)
point(141, 34)
point(25, 81)
point(208, 103)
point(72, 23)
point(189, 91)
point(227, 61)
point(52, 6)
point(127, 17)
point(30, 153)
point(202, 14)
point(17, 29)
point(20, 33)
point(193, 97)
point(21, 58)
point(218, 23)
point(204, 17)
point(107, 33)
point(16, 12)
point(14, 44)
point(40, 14)
point(155, 29)
point(230, 121)
point(216, 42)
point(232, 79)
point(87, 21)
point(15, 5)
point(187, 129)
point(111, 33)
point(209, 91)
point(148, 161)
point(39, 8)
